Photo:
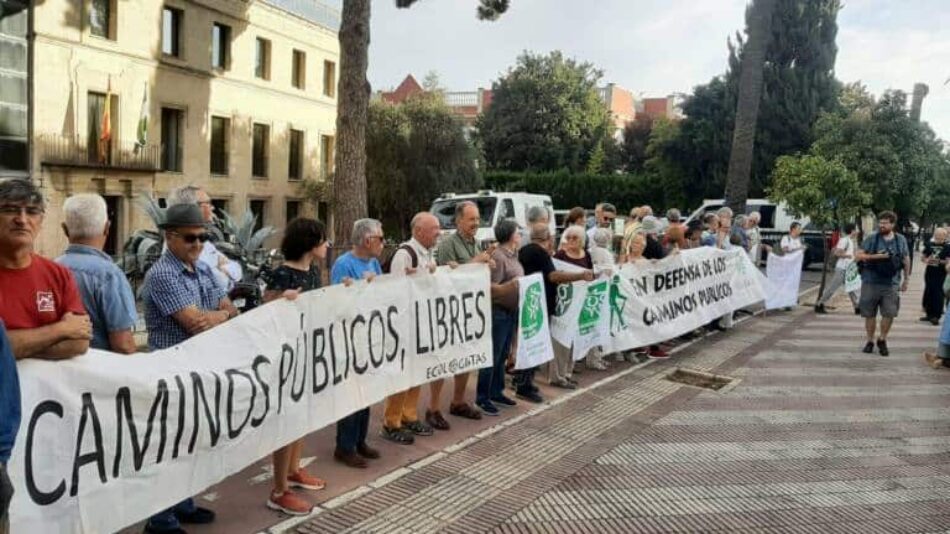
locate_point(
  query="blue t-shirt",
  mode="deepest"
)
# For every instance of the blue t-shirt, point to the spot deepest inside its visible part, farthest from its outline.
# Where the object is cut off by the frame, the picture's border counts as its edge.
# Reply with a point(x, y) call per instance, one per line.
point(105, 292)
point(349, 266)
point(9, 397)
point(897, 247)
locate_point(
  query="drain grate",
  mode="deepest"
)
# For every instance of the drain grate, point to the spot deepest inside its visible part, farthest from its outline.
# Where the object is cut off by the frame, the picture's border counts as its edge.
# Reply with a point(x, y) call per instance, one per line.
point(701, 379)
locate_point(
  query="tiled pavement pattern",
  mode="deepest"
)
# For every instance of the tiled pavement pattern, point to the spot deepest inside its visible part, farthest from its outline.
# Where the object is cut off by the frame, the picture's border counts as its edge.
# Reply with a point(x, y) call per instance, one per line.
point(816, 437)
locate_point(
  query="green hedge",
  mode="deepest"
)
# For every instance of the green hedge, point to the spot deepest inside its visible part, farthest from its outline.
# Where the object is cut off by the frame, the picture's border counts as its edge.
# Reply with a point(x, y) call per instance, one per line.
point(567, 190)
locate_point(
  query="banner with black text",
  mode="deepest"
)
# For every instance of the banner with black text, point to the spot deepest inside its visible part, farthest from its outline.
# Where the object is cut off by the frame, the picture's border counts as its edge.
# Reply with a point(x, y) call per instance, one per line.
point(107, 440)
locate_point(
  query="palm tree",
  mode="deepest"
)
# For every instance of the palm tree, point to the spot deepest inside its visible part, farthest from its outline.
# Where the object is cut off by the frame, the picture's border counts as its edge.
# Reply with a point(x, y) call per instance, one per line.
point(747, 108)
point(349, 183)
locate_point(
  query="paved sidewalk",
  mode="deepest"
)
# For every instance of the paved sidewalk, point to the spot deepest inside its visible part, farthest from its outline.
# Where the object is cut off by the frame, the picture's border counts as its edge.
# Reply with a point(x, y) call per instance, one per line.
point(815, 437)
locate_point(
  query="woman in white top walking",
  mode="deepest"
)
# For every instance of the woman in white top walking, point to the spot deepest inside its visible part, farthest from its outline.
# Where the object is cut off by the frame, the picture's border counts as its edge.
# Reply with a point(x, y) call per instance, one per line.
point(844, 251)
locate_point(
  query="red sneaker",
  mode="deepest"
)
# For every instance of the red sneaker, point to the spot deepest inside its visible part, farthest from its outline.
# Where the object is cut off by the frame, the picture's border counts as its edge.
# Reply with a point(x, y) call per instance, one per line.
point(657, 353)
point(289, 503)
point(303, 479)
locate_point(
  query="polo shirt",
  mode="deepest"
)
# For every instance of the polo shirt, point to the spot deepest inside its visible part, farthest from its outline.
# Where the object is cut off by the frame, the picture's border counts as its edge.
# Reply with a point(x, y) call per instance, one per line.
point(105, 291)
point(171, 286)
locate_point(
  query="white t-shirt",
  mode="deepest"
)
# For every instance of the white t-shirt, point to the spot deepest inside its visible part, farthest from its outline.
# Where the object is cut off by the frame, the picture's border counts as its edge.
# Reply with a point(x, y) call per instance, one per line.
point(845, 244)
point(791, 244)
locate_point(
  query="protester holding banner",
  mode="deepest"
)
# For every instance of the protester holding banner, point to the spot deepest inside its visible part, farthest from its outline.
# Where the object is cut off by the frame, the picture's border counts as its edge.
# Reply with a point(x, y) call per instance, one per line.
point(561, 369)
point(885, 256)
point(844, 251)
point(9, 422)
point(755, 238)
point(536, 258)
point(39, 300)
point(457, 249)
point(401, 417)
point(360, 263)
point(226, 271)
point(304, 243)
point(504, 279)
point(182, 298)
point(935, 256)
point(106, 293)
point(793, 241)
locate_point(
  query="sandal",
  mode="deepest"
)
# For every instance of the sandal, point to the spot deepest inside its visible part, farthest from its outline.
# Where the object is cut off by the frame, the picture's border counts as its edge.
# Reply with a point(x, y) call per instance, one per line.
point(418, 428)
point(466, 411)
point(397, 435)
point(436, 421)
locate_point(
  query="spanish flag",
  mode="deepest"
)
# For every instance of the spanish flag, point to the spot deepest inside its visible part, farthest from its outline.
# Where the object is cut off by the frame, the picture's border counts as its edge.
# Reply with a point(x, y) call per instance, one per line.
point(105, 127)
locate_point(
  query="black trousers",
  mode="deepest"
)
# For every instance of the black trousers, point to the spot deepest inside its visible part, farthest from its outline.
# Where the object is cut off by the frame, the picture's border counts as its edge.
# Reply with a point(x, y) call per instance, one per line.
point(934, 277)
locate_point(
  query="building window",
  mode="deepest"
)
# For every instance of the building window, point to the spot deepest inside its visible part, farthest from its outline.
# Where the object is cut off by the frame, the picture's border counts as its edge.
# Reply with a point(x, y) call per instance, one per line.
point(100, 18)
point(323, 212)
point(220, 46)
point(296, 155)
point(299, 74)
point(220, 205)
point(293, 209)
point(14, 100)
point(262, 59)
point(258, 209)
point(260, 149)
point(329, 78)
point(220, 134)
point(327, 146)
point(173, 122)
point(99, 146)
point(171, 31)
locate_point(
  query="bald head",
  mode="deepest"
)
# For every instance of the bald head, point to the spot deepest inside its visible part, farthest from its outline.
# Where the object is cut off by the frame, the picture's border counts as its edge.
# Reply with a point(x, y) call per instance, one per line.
point(425, 229)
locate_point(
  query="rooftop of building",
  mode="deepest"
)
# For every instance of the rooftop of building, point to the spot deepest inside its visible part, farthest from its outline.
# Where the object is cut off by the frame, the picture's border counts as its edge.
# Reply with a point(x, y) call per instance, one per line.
point(312, 11)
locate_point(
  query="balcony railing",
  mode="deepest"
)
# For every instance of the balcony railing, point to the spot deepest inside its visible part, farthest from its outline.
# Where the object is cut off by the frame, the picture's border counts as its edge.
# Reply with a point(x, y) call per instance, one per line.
point(79, 151)
point(461, 99)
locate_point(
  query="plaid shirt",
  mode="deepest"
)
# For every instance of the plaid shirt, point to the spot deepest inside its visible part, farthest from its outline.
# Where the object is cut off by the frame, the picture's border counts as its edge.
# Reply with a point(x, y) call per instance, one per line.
point(171, 287)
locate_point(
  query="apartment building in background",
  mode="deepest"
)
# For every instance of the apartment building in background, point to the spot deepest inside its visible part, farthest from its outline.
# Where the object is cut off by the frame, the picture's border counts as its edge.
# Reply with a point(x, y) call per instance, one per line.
point(622, 104)
point(132, 97)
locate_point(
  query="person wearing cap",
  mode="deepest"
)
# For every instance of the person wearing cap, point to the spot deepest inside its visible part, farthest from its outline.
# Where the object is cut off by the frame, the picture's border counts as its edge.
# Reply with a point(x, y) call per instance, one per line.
point(182, 298)
point(227, 271)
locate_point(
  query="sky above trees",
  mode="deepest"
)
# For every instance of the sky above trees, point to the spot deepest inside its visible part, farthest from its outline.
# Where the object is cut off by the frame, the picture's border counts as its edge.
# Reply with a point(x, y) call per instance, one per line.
point(653, 47)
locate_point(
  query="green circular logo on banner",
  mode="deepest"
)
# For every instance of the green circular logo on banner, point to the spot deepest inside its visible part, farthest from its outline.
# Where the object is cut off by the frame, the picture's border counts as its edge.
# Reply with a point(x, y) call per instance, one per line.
point(532, 314)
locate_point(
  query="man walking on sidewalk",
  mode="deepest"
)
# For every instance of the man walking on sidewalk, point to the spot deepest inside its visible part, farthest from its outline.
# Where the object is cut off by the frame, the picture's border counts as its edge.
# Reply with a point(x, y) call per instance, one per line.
point(884, 255)
point(844, 251)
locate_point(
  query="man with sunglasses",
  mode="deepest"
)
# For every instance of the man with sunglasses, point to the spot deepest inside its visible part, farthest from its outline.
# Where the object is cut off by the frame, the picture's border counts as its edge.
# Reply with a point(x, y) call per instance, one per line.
point(605, 214)
point(227, 271)
point(39, 300)
point(182, 298)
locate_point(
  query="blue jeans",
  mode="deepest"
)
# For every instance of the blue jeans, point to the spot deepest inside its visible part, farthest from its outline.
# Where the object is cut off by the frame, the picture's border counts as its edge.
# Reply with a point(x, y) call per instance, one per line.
point(166, 520)
point(351, 430)
point(491, 380)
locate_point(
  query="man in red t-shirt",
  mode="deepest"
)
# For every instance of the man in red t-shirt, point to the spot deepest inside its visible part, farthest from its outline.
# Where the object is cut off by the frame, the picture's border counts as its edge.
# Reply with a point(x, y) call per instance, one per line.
point(39, 300)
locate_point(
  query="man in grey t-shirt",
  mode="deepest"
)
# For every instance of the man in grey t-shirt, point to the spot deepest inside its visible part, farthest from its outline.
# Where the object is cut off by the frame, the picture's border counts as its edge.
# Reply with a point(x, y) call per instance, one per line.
point(885, 256)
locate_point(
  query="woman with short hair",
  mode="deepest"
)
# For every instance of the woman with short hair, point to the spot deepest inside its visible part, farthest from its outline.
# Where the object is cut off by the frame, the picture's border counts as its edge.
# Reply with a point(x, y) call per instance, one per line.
point(561, 369)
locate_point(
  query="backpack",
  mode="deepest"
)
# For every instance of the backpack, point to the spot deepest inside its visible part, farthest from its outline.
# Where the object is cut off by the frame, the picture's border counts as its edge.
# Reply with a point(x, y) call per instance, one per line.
point(388, 264)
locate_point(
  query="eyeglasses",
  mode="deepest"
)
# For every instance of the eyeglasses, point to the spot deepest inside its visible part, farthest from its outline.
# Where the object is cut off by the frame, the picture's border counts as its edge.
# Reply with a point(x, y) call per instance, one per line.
point(12, 210)
point(191, 238)
point(571, 238)
point(375, 237)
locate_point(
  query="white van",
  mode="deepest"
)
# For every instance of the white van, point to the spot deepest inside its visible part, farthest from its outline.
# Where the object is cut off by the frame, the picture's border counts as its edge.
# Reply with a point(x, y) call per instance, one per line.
point(493, 207)
point(775, 223)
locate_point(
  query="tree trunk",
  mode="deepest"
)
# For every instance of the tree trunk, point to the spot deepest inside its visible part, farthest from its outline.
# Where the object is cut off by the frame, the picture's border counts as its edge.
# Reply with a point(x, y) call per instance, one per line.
point(747, 108)
point(349, 181)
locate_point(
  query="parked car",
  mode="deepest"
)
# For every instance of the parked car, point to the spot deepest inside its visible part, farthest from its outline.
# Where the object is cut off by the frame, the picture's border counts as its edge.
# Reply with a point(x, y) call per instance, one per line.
point(493, 207)
point(775, 223)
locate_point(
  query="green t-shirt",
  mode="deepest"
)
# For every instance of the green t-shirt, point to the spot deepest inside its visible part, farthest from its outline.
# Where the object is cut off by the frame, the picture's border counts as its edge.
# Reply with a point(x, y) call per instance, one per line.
point(456, 248)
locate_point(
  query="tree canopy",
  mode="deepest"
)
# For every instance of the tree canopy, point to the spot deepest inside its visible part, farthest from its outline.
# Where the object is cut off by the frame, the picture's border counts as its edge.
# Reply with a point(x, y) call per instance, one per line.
point(545, 115)
point(823, 190)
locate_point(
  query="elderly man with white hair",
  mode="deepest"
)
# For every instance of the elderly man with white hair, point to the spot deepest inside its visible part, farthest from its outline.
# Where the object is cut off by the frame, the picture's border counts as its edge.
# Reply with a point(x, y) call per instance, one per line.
point(105, 291)
point(226, 271)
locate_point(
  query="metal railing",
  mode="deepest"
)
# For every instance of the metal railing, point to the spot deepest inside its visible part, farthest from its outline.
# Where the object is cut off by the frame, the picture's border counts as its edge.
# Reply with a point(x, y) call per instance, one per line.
point(310, 10)
point(80, 151)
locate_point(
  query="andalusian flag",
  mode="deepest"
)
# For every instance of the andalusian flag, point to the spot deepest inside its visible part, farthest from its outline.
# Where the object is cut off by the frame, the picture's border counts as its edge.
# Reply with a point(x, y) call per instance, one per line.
point(141, 132)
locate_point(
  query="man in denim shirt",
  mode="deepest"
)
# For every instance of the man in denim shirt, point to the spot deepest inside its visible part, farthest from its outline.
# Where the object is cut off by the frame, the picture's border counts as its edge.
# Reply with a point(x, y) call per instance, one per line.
point(106, 293)
point(9, 422)
point(182, 299)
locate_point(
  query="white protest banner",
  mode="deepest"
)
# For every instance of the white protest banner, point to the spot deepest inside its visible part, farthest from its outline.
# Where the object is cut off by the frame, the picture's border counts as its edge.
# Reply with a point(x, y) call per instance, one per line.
point(785, 275)
point(852, 278)
point(534, 336)
point(652, 302)
point(570, 300)
point(593, 322)
point(108, 440)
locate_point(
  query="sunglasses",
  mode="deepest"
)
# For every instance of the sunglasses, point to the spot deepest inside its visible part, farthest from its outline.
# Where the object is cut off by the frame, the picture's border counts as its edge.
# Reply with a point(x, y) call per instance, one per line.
point(191, 238)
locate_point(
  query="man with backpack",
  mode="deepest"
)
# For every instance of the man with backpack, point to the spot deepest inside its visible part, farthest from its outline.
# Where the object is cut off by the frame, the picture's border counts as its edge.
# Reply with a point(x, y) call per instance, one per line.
point(401, 419)
point(883, 256)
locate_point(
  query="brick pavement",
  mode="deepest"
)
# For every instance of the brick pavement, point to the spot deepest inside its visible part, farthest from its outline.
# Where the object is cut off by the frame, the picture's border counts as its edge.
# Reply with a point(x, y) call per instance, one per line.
point(815, 437)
